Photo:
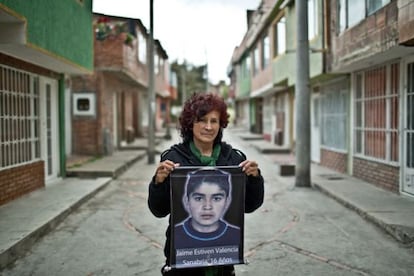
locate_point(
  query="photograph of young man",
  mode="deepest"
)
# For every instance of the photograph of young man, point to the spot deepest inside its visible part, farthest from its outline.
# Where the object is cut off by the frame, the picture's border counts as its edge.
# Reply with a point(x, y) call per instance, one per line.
point(206, 198)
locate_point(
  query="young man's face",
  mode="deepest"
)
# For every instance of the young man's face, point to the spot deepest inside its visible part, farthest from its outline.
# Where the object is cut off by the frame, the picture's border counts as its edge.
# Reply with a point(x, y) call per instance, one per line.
point(207, 205)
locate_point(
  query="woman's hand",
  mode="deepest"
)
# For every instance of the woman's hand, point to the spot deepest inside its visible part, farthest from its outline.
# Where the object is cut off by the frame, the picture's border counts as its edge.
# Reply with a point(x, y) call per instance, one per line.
point(250, 167)
point(163, 170)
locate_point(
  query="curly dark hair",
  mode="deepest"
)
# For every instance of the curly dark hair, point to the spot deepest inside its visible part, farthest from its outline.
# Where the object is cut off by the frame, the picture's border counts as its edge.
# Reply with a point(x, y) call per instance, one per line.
point(196, 107)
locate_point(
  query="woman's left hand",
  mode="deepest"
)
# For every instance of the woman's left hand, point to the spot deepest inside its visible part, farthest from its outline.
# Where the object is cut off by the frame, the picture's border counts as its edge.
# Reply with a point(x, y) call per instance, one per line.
point(250, 167)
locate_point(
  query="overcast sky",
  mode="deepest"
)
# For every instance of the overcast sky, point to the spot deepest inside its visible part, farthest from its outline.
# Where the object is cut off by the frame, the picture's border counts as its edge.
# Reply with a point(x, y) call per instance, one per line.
point(199, 31)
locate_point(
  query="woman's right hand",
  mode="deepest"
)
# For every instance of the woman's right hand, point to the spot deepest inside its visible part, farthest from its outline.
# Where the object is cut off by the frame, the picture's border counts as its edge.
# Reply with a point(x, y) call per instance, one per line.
point(163, 170)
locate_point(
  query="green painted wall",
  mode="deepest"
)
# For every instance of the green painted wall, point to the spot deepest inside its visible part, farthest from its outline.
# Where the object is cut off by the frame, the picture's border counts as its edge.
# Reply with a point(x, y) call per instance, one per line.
point(284, 66)
point(61, 27)
point(245, 87)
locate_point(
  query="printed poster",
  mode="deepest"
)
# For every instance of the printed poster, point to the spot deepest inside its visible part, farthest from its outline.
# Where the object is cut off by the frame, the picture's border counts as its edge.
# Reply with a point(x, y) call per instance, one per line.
point(207, 213)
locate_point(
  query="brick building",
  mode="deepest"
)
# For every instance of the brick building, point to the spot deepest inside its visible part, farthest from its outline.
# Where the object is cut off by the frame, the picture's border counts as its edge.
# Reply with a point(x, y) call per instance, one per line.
point(34, 69)
point(116, 94)
point(361, 85)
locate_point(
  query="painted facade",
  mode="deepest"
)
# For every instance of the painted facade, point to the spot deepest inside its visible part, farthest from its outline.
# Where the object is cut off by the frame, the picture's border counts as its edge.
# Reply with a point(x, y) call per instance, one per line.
point(361, 75)
point(118, 88)
point(36, 60)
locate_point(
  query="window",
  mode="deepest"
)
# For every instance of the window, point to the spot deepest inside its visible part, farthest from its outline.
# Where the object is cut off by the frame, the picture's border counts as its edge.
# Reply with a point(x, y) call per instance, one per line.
point(265, 52)
point(334, 107)
point(356, 12)
point(374, 5)
point(245, 69)
point(376, 113)
point(156, 64)
point(312, 18)
point(19, 117)
point(342, 15)
point(84, 104)
point(280, 37)
point(142, 48)
point(255, 60)
point(162, 69)
point(353, 11)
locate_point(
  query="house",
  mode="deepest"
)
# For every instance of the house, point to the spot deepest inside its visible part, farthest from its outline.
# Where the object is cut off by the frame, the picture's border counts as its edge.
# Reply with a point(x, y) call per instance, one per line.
point(41, 46)
point(371, 43)
point(116, 94)
point(264, 71)
point(361, 85)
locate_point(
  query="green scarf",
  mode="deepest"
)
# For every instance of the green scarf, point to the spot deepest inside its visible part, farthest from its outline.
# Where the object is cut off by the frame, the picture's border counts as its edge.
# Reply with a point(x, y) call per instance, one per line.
point(211, 271)
point(206, 160)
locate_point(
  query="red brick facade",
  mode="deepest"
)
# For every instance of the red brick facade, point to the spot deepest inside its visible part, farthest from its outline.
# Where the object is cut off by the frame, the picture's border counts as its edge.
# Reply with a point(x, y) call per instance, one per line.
point(374, 35)
point(18, 181)
point(334, 160)
point(88, 136)
point(379, 174)
point(120, 85)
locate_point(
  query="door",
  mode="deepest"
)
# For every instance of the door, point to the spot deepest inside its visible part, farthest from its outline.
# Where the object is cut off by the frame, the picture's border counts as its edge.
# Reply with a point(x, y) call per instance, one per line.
point(408, 132)
point(315, 130)
point(49, 134)
point(115, 121)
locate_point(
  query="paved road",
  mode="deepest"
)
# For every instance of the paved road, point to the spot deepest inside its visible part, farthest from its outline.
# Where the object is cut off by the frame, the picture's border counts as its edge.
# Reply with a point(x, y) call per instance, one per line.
point(298, 231)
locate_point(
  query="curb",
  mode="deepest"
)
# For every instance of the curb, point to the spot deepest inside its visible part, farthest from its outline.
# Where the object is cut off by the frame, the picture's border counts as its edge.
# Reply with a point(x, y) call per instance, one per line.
point(21, 247)
point(399, 233)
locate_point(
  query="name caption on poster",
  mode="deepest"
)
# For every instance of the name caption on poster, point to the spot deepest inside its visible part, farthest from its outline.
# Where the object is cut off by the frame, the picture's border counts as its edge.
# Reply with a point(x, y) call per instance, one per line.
point(208, 256)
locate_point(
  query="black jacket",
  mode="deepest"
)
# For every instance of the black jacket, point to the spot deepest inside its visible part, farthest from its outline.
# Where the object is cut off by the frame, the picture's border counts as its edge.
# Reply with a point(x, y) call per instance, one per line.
point(159, 195)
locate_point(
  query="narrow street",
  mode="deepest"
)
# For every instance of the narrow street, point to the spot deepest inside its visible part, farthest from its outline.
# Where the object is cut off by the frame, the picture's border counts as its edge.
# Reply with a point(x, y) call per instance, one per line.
point(297, 231)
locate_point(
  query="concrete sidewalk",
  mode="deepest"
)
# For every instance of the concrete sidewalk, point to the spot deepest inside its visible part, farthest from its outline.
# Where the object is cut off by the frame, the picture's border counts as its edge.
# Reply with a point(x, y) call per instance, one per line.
point(25, 220)
point(391, 212)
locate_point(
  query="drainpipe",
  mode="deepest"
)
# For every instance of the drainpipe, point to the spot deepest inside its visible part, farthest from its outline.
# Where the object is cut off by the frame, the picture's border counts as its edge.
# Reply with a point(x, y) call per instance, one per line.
point(62, 142)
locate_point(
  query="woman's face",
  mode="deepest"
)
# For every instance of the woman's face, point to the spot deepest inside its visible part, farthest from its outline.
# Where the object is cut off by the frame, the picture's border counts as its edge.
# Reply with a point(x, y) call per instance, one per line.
point(206, 130)
point(207, 205)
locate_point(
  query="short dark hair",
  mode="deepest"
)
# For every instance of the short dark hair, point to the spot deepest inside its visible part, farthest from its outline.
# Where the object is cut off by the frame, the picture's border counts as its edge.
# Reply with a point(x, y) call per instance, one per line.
point(210, 175)
point(196, 107)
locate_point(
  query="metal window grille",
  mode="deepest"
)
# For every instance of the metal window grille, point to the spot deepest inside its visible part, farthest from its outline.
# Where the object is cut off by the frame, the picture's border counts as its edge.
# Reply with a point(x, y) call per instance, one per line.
point(376, 113)
point(19, 117)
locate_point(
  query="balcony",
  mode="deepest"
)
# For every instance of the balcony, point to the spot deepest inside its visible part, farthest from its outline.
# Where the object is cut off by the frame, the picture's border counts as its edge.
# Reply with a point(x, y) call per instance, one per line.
point(117, 54)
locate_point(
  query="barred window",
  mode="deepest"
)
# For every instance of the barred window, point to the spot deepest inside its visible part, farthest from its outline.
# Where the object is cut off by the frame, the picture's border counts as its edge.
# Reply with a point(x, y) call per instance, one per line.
point(334, 107)
point(376, 113)
point(19, 117)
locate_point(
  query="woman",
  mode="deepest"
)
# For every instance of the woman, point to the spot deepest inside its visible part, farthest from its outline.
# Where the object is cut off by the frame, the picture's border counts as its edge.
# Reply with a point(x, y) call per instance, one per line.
point(202, 120)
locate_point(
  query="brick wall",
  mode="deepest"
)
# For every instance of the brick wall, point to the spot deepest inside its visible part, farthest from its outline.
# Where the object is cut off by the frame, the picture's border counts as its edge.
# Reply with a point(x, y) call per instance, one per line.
point(84, 136)
point(379, 174)
point(109, 52)
point(84, 128)
point(18, 181)
point(334, 160)
point(406, 22)
point(376, 34)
